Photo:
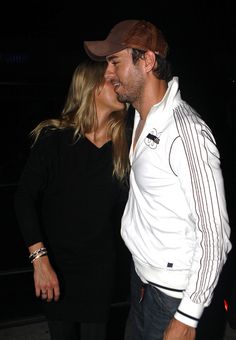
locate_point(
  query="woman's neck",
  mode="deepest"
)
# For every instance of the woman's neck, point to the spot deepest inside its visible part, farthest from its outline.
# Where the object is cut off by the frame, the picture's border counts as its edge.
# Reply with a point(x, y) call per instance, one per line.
point(99, 135)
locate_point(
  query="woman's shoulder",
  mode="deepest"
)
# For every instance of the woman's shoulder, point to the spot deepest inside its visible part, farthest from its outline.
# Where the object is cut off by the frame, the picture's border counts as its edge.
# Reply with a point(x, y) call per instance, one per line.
point(51, 137)
point(51, 133)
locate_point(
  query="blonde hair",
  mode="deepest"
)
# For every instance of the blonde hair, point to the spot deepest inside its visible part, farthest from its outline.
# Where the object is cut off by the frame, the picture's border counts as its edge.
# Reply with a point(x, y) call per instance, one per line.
point(79, 113)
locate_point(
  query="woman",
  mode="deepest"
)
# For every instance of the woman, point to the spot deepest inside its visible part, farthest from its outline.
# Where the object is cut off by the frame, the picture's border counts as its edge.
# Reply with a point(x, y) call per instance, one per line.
point(65, 203)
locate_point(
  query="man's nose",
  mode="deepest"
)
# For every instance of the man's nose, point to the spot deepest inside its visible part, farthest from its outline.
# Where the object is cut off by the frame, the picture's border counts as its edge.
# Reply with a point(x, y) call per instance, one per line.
point(109, 73)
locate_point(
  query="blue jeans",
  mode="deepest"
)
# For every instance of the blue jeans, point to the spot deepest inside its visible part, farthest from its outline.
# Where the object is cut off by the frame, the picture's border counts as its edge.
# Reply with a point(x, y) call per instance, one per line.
point(63, 330)
point(151, 313)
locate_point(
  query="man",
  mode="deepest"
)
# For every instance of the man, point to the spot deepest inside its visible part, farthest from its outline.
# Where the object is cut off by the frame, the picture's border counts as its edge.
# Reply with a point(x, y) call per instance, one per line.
point(175, 223)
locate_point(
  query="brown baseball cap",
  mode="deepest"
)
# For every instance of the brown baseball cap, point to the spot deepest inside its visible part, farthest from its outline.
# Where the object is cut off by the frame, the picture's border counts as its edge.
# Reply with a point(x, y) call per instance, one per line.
point(138, 34)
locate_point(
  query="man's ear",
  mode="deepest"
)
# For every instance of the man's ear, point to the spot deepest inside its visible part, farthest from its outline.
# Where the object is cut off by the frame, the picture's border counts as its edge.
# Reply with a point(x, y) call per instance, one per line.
point(150, 61)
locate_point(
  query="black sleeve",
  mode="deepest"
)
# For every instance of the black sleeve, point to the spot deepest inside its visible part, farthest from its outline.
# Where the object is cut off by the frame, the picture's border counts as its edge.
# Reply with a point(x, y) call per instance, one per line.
point(30, 189)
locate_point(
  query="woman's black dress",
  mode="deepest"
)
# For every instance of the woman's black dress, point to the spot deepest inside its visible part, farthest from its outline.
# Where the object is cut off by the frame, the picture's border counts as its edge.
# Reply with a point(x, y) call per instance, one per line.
point(66, 198)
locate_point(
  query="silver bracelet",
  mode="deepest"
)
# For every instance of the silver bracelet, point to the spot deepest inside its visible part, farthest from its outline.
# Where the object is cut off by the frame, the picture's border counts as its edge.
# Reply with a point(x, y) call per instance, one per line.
point(42, 253)
point(33, 255)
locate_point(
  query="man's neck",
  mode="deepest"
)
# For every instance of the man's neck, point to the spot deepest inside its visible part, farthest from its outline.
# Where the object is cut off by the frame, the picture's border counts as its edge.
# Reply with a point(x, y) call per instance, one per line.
point(153, 94)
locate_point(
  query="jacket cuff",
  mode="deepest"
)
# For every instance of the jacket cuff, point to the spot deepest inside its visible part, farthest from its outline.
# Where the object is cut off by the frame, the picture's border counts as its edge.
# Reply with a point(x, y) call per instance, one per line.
point(189, 312)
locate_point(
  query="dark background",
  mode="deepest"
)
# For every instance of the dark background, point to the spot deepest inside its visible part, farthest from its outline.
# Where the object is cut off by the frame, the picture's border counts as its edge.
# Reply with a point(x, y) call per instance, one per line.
point(41, 43)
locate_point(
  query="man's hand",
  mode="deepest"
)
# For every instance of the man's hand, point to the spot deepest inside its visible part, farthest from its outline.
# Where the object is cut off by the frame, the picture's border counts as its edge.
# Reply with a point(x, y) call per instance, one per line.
point(177, 330)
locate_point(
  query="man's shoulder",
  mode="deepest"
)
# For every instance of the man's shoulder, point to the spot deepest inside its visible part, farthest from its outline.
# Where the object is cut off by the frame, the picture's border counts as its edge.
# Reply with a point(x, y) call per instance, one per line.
point(183, 108)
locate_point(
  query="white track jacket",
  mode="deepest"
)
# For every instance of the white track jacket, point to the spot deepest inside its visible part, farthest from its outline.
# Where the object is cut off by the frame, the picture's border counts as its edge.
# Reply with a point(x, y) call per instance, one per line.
point(175, 222)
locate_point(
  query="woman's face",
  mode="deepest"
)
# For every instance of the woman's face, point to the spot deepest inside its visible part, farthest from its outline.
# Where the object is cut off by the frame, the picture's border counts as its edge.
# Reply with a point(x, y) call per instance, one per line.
point(106, 98)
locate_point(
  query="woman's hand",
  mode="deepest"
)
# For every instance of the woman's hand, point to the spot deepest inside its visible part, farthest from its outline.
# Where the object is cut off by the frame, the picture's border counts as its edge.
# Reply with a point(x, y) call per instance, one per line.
point(45, 280)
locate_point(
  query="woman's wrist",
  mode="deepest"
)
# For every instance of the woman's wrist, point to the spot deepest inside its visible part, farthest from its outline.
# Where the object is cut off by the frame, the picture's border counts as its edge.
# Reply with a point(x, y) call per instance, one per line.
point(36, 251)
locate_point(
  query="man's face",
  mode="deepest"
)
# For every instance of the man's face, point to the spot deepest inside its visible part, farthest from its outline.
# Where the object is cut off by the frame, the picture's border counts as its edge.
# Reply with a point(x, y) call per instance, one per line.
point(126, 77)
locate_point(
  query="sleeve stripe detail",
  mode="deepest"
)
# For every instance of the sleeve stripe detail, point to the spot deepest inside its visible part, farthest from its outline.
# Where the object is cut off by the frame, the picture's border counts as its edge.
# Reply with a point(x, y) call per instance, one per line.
point(205, 195)
point(187, 315)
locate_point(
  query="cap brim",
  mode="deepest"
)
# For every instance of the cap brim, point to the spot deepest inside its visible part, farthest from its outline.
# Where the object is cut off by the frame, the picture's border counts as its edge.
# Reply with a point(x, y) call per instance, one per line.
point(99, 50)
